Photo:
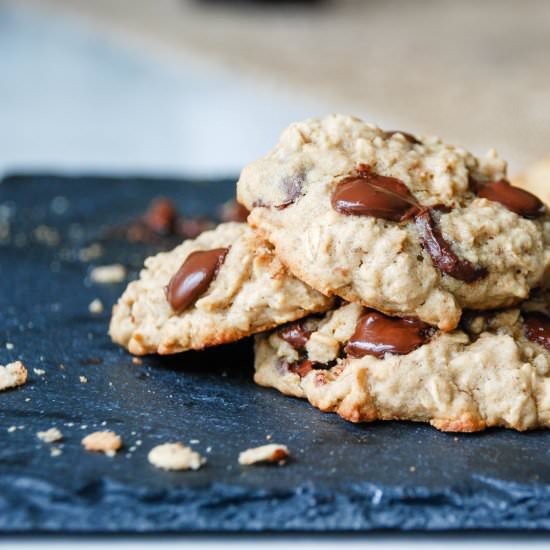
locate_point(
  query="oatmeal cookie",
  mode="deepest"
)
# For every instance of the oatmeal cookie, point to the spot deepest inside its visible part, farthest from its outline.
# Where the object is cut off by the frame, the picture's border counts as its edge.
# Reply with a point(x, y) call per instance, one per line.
point(399, 223)
point(218, 288)
point(492, 371)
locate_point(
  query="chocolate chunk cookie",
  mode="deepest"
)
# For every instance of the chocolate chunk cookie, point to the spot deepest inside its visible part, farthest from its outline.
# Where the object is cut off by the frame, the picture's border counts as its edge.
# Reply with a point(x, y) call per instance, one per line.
point(220, 287)
point(494, 370)
point(409, 226)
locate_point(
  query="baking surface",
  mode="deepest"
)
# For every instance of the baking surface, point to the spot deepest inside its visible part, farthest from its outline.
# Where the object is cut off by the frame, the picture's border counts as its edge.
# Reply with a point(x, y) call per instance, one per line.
point(341, 476)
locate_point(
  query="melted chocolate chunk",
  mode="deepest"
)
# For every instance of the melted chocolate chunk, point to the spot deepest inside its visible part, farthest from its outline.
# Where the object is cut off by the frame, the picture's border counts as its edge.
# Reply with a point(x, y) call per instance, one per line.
point(370, 194)
point(441, 252)
point(513, 198)
point(377, 334)
point(302, 367)
point(537, 328)
point(295, 334)
point(409, 137)
point(161, 216)
point(194, 277)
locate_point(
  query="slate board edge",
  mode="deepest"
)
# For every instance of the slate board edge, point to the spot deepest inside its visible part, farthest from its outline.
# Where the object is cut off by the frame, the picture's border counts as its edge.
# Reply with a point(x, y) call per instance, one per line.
point(225, 508)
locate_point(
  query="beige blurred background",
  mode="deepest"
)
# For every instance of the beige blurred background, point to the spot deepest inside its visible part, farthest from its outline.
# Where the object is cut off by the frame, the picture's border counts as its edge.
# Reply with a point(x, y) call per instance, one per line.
point(475, 73)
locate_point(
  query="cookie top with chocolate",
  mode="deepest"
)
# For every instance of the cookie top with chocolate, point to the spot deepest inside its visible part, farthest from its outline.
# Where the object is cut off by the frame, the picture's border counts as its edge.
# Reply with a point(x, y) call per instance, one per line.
point(222, 286)
point(494, 370)
point(409, 226)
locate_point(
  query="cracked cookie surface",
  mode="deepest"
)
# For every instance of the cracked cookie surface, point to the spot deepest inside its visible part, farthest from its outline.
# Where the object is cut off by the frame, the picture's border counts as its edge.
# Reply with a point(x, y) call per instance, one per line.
point(220, 287)
point(493, 371)
point(405, 225)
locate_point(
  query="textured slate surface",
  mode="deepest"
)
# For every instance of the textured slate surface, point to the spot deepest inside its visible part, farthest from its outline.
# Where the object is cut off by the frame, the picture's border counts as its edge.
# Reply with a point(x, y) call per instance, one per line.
point(343, 477)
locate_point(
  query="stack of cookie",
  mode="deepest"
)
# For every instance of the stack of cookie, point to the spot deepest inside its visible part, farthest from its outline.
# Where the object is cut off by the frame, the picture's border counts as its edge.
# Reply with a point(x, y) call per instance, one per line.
point(399, 277)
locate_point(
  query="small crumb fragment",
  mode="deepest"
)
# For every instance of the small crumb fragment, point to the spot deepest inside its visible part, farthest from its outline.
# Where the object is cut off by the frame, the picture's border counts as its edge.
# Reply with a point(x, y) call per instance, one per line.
point(55, 451)
point(83, 379)
point(12, 429)
point(174, 456)
point(412, 469)
point(9, 346)
point(12, 375)
point(194, 441)
point(268, 437)
point(50, 436)
point(103, 442)
point(96, 306)
point(47, 235)
point(266, 453)
point(105, 274)
point(39, 372)
point(92, 252)
point(137, 361)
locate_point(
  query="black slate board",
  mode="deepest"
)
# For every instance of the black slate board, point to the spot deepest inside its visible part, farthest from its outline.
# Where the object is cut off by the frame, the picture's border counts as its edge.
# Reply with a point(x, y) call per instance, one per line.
point(342, 477)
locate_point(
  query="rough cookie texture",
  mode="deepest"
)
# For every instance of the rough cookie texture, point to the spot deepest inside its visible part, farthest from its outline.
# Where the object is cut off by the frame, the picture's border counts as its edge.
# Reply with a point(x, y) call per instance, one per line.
point(381, 263)
point(487, 373)
point(251, 292)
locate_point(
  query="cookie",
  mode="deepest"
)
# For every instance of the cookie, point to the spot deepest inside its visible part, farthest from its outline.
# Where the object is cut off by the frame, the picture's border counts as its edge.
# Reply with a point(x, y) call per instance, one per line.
point(536, 179)
point(218, 288)
point(492, 371)
point(406, 225)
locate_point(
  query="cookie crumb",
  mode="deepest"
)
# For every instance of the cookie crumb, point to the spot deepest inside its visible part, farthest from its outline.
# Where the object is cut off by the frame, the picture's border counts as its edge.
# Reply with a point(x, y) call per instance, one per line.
point(103, 442)
point(55, 451)
point(105, 274)
point(47, 235)
point(266, 453)
point(137, 361)
point(83, 379)
point(39, 372)
point(91, 252)
point(9, 346)
point(268, 437)
point(50, 436)
point(12, 375)
point(412, 469)
point(12, 429)
point(96, 306)
point(174, 456)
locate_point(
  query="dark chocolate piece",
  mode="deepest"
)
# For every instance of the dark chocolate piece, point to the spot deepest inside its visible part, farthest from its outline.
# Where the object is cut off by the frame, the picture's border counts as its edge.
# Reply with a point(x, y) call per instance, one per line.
point(194, 277)
point(233, 211)
point(441, 252)
point(537, 328)
point(301, 367)
point(513, 198)
point(370, 194)
point(295, 334)
point(161, 216)
point(377, 334)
